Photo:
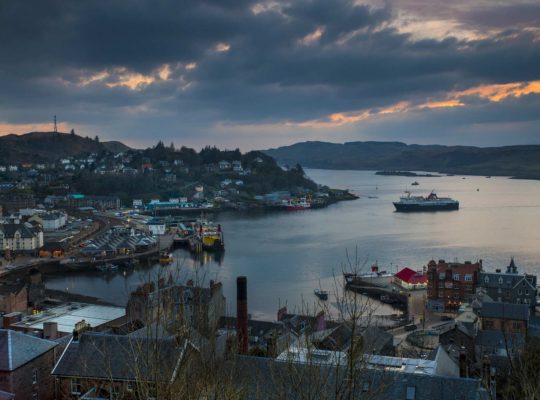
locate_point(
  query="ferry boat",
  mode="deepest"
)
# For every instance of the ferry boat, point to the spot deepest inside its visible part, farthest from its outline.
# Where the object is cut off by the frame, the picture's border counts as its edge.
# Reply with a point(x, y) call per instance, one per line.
point(430, 203)
point(321, 294)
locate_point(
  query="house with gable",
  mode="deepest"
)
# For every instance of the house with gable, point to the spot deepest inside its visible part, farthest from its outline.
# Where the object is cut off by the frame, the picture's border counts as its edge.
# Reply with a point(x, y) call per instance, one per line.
point(25, 365)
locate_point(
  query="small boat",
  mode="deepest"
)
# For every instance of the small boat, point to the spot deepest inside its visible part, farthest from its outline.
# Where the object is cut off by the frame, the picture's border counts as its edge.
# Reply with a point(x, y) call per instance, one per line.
point(415, 183)
point(321, 294)
point(108, 267)
point(165, 258)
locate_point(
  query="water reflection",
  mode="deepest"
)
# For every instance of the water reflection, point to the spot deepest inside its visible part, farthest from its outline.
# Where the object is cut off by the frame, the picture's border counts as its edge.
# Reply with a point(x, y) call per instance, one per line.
point(285, 256)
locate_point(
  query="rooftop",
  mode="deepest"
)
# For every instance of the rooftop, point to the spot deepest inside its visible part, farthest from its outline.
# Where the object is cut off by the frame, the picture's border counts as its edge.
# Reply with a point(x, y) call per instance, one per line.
point(67, 315)
point(16, 349)
point(491, 309)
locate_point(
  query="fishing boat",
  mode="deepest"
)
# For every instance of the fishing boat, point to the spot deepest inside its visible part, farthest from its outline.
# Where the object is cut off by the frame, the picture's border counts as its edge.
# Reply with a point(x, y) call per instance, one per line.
point(297, 204)
point(415, 183)
point(321, 294)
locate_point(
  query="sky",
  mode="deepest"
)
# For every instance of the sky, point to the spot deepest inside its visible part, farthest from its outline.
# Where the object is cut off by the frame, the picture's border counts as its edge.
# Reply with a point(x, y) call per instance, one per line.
point(260, 74)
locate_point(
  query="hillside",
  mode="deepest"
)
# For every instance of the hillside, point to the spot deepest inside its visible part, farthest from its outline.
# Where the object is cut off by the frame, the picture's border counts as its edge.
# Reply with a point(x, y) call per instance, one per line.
point(516, 161)
point(49, 146)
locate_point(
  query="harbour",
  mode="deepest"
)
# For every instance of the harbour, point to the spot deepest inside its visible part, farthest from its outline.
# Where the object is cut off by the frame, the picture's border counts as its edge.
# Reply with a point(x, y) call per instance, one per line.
point(287, 255)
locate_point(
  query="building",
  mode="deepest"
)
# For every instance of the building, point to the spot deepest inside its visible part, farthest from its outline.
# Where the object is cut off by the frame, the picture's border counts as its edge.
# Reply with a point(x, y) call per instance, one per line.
point(98, 202)
point(378, 378)
point(451, 284)
point(13, 297)
point(52, 249)
point(505, 317)
point(13, 202)
point(510, 286)
point(198, 307)
point(53, 220)
point(25, 365)
point(410, 279)
point(20, 238)
point(61, 320)
point(105, 366)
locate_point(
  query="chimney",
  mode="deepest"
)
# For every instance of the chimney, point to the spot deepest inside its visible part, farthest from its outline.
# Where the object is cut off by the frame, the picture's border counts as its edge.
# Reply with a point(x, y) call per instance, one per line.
point(241, 314)
point(462, 363)
point(281, 313)
point(50, 330)
point(321, 322)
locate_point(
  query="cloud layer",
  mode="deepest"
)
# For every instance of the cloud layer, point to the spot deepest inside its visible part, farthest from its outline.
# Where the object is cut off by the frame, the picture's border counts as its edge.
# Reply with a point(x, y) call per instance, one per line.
point(259, 74)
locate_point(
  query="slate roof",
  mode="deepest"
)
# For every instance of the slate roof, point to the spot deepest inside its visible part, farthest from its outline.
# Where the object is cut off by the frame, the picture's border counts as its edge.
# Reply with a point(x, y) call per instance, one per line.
point(6, 395)
point(269, 379)
point(497, 339)
point(509, 280)
point(17, 349)
point(505, 311)
point(8, 288)
point(117, 357)
point(9, 231)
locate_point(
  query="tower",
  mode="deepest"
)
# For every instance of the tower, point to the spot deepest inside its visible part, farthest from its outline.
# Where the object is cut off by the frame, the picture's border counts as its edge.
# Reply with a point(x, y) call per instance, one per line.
point(55, 128)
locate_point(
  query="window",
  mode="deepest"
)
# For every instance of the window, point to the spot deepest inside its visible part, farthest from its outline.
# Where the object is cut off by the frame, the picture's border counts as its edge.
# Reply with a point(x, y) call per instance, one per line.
point(129, 386)
point(365, 387)
point(501, 281)
point(468, 277)
point(487, 324)
point(442, 276)
point(526, 292)
point(520, 292)
point(411, 393)
point(486, 279)
point(75, 386)
point(455, 277)
point(35, 396)
point(516, 325)
point(34, 377)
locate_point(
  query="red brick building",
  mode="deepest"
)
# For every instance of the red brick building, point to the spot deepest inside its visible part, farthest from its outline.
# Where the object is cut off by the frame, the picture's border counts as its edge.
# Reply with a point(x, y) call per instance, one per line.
point(451, 283)
point(25, 365)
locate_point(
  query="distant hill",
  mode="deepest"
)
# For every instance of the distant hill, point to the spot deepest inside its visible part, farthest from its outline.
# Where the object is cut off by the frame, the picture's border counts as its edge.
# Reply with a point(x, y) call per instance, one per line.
point(516, 161)
point(49, 146)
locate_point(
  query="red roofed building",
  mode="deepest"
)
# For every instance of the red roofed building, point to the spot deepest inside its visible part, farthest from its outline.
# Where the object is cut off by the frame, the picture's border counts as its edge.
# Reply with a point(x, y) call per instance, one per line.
point(410, 279)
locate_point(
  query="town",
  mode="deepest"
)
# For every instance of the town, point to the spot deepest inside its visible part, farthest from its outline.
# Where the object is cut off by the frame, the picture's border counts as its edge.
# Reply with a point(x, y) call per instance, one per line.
point(458, 331)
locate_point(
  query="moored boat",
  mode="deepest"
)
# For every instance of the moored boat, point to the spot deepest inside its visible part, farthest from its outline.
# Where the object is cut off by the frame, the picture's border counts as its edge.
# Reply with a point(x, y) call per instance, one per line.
point(297, 204)
point(165, 258)
point(321, 294)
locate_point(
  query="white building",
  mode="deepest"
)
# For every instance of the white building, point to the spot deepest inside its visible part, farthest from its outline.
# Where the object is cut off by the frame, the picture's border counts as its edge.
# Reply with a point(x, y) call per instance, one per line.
point(156, 227)
point(20, 238)
point(53, 220)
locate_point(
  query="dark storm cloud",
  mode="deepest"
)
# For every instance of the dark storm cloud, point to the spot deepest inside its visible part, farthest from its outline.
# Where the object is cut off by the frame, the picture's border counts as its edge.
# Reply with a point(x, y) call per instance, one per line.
point(294, 61)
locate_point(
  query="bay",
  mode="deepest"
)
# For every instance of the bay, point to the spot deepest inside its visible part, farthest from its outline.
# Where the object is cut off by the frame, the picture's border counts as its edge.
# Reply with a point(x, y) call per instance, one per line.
point(286, 255)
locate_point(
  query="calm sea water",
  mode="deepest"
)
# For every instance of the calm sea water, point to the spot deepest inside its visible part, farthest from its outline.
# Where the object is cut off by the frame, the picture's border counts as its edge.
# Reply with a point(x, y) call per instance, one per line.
point(286, 255)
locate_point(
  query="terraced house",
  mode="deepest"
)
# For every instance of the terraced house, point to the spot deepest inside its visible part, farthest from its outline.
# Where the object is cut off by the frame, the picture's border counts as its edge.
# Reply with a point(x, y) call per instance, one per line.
point(20, 238)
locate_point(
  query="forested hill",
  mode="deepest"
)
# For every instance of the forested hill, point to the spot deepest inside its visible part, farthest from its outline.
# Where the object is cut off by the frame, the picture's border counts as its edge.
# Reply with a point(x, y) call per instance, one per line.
point(50, 146)
point(517, 161)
